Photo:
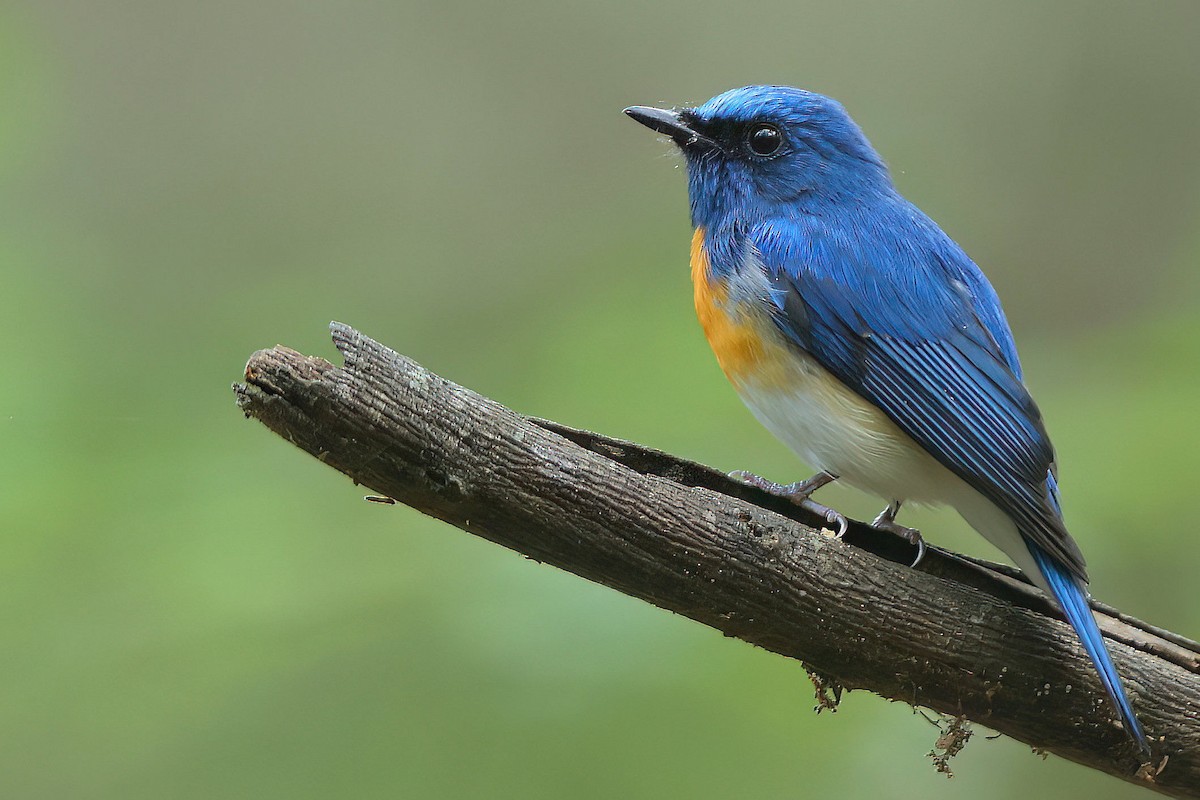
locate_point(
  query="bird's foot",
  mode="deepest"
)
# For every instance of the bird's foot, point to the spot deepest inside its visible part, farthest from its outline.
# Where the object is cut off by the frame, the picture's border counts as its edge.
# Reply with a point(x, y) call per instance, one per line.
point(799, 493)
point(886, 521)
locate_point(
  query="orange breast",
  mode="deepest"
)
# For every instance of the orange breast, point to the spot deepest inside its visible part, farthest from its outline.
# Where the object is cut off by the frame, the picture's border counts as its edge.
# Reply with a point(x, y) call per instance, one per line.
point(743, 340)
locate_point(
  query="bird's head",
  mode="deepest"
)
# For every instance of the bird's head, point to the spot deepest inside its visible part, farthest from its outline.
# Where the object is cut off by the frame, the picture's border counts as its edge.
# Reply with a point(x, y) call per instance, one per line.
point(756, 151)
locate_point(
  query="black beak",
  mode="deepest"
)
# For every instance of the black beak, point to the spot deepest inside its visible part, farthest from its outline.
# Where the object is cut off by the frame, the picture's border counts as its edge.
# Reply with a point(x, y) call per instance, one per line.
point(670, 123)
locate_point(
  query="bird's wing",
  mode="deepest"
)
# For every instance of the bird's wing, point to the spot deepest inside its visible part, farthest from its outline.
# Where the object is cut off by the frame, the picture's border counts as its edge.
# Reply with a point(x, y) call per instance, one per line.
point(901, 325)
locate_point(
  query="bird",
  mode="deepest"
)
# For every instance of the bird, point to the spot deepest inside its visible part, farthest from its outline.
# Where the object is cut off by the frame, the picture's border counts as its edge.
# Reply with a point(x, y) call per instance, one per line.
point(866, 340)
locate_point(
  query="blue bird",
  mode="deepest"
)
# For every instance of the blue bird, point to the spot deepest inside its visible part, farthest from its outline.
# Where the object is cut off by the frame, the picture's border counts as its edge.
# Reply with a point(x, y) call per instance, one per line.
point(865, 339)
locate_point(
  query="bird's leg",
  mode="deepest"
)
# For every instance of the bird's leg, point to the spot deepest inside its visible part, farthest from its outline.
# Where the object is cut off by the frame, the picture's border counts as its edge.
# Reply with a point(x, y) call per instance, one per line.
point(886, 521)
point(799, 493)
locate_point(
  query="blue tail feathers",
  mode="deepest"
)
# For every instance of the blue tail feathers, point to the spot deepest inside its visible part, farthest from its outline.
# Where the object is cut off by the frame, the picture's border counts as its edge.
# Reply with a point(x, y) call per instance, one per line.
point(1072, 597)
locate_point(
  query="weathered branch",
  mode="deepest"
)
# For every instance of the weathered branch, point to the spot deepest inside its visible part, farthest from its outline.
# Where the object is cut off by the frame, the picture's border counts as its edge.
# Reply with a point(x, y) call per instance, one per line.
point(958, 636)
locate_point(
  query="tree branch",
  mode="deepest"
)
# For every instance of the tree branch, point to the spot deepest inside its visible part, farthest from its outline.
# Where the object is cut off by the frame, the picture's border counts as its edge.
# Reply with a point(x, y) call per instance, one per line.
point(959, 636)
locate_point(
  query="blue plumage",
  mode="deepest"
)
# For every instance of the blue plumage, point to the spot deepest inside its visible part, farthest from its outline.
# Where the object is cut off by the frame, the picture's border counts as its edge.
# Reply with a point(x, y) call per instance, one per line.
point(1071, 595)
point(801, 226)
point(892, 317)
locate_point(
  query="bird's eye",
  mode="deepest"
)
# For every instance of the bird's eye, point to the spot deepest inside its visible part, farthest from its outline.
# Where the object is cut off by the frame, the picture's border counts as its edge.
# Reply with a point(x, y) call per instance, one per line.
point(764, 139)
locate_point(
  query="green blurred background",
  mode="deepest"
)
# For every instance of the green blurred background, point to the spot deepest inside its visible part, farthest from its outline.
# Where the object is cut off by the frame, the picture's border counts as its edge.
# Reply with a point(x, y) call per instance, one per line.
point(191, 608)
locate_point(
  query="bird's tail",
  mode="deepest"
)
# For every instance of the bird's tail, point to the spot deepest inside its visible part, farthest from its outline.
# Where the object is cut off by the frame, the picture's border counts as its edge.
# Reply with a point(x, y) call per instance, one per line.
point(1073, 598)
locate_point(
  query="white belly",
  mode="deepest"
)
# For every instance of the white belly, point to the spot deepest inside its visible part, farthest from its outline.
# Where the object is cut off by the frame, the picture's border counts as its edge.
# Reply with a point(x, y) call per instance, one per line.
point(833, 429)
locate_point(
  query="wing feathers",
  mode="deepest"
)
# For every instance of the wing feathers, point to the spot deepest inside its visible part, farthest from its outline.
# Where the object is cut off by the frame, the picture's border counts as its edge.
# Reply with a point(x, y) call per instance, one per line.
point(925, 358)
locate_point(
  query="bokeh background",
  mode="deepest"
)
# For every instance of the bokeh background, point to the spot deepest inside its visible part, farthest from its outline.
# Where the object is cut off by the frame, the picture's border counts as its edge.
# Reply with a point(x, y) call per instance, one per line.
point(191, 608)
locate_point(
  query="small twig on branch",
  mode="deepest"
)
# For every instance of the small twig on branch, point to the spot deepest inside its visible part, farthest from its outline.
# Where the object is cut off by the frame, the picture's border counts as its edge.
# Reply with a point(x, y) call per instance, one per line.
point(954, 635)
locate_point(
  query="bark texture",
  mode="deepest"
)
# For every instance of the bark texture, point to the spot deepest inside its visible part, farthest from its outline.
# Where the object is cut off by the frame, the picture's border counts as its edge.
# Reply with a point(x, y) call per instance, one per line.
point(958, 636)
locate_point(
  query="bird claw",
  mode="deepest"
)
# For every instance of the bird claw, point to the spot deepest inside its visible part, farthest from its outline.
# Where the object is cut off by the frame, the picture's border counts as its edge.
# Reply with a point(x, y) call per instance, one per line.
point(886, 521)
point(799, 493)
point(832, 516)
point(920, 552)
